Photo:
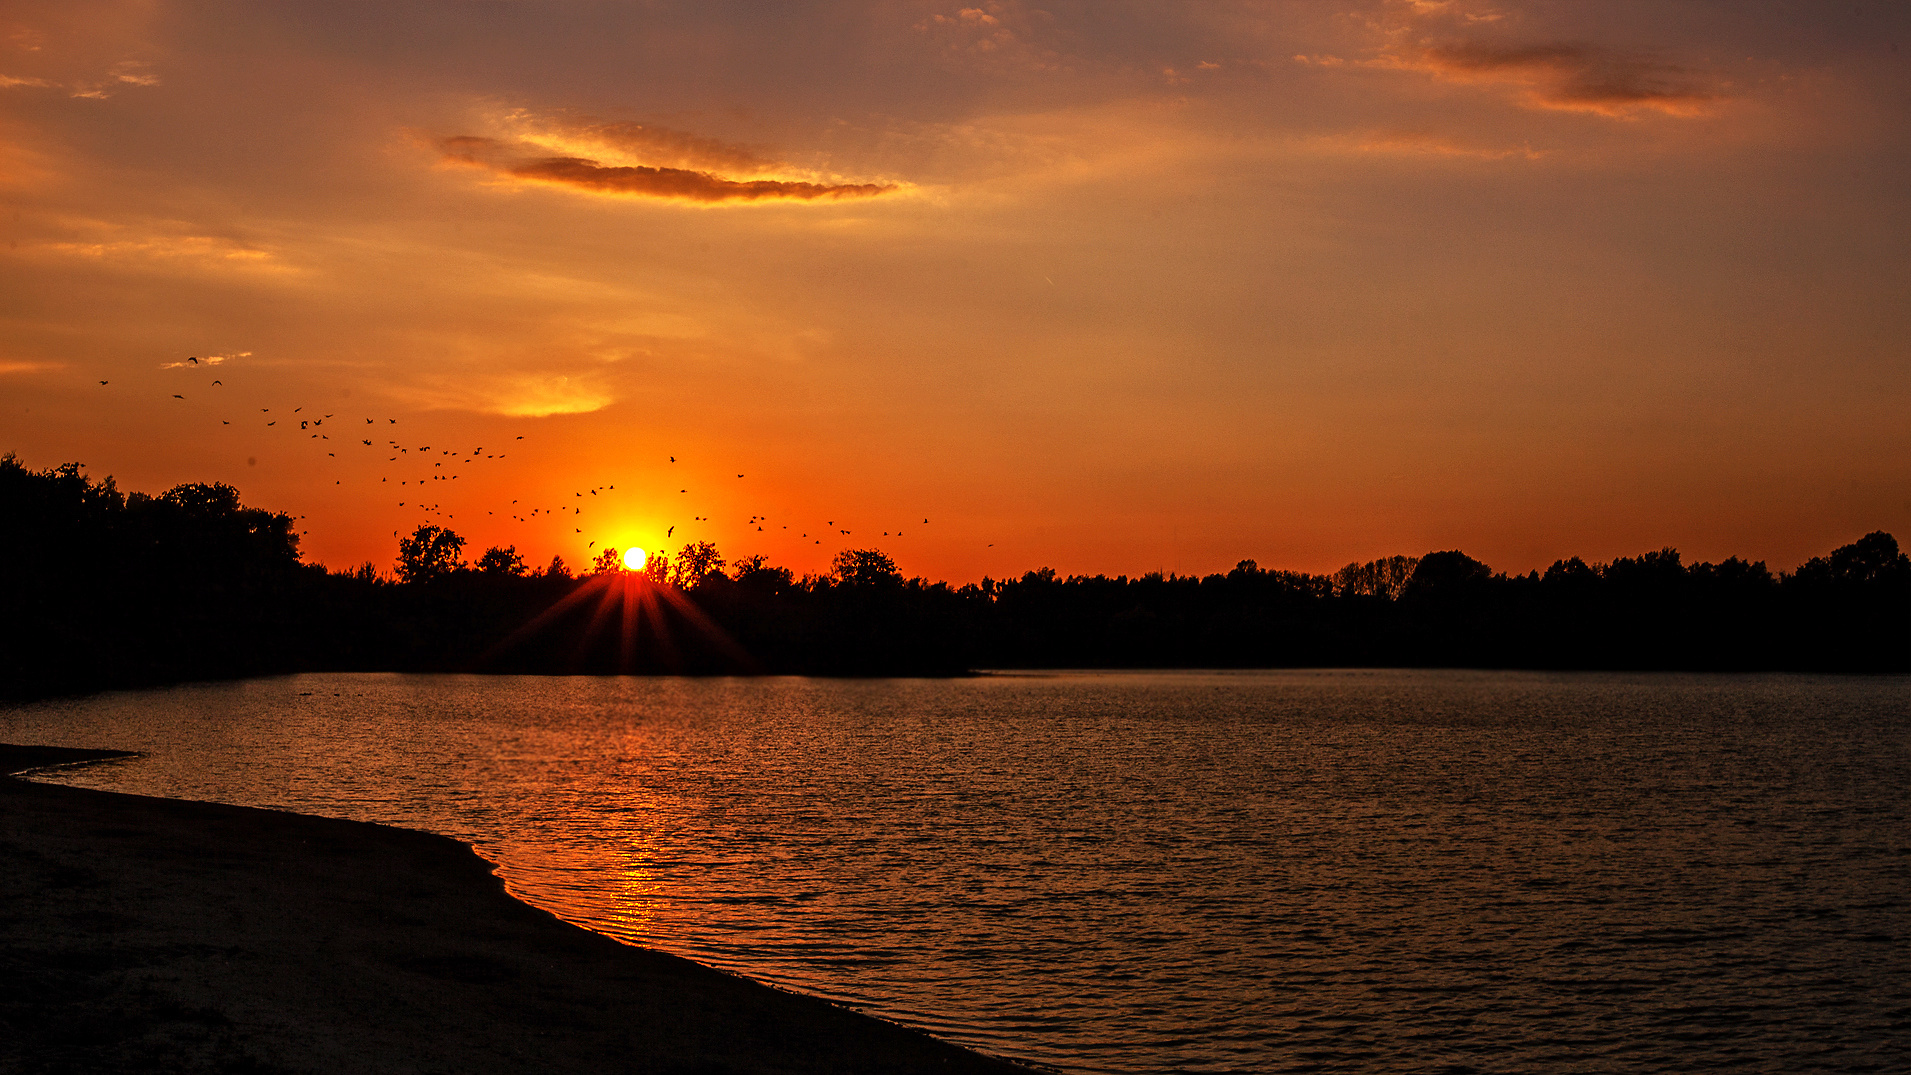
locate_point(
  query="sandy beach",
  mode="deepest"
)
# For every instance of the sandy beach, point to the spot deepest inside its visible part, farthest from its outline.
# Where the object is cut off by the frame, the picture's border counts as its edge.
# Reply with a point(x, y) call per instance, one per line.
point(145, 934)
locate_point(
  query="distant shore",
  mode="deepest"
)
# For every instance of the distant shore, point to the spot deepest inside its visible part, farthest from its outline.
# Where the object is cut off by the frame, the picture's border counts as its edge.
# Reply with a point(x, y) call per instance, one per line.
point(146, 934)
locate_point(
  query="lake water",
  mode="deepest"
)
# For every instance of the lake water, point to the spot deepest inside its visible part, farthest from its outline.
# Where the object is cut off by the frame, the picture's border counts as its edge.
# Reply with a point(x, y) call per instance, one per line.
point(1264, 871)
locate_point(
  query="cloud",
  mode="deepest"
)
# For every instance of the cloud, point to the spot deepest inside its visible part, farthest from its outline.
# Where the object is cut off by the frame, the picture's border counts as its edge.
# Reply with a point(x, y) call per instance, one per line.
point(681, 183)
point(998, 38)
point(8, 365)
point(1456, 42)
point(125, 73)
point(524, 395)
point(566, 134)
point(1426, 144)
point(203, 360)
point(1565, 76)
point(523, 161)
point(154, 251)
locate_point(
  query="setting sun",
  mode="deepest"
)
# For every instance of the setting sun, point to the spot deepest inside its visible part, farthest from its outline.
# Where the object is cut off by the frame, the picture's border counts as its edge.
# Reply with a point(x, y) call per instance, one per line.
point(634, 559)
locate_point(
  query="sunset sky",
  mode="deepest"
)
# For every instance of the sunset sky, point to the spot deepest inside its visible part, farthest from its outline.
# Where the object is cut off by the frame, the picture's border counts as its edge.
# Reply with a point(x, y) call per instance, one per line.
point(1111, 288)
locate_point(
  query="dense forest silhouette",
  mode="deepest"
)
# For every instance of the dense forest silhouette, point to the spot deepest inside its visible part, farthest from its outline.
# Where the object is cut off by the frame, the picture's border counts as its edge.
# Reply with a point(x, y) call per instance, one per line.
point(104, 589)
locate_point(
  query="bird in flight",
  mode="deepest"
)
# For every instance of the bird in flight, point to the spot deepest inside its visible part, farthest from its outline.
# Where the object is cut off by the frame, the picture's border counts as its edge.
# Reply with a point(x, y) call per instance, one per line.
point(670, 531)
point(178, 396)
point(102, 382)
point(219, 382)
point(193, 360)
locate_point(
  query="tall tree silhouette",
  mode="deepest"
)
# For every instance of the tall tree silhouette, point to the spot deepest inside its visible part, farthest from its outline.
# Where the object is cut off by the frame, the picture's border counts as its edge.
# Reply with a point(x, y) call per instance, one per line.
point(430, 552)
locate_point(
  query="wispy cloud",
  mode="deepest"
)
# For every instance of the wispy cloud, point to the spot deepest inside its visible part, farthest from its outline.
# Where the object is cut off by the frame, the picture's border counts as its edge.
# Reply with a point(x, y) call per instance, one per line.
point(123, 74)
point(1564, 76)
point(203, 360)
point(680, 183)
point(9, 365)
point(637, 160)
point(1466, 44)
point(517, 395)
point(198, 251)
point(998, 35)
point(1426, 144)
point(621, 142)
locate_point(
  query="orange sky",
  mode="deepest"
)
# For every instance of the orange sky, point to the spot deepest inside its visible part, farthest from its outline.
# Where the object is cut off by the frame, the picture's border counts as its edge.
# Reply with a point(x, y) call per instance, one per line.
point(1111, 288)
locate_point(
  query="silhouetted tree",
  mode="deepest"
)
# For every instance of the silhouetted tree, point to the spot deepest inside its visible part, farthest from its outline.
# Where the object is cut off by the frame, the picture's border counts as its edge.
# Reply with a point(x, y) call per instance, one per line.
point(607, 561)
point(1854, 606)
point(756, 574)
point(865, 567)
point(501, 560)
point(1871, 560)
point(1386, 577)
point(430, 552)
point(657, 568)
point(103, 589)
point(694, 562)
point(1446, 575)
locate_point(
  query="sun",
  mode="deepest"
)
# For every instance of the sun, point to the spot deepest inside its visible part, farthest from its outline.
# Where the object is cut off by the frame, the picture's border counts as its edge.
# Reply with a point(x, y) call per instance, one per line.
point(634, 558)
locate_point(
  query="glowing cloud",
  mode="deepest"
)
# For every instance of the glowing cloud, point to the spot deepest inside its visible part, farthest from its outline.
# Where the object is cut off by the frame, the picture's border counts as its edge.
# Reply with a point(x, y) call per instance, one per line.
point(13, 366)
point(643, 180)
point(202, 360)
point(569, 134)
point(126, 73)
point(515, 395)
point(1425, 144)
point(681, 183)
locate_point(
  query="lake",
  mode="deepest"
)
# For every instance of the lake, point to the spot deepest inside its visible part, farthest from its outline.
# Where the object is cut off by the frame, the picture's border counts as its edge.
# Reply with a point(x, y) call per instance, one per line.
point(1375, 871)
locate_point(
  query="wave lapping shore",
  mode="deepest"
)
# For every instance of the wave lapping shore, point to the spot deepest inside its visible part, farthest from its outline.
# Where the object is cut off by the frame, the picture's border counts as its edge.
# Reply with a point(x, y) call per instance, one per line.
point(146, 934)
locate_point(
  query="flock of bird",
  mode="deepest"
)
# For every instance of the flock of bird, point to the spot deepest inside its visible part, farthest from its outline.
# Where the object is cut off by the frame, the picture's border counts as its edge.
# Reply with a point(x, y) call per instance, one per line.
point(411, 475)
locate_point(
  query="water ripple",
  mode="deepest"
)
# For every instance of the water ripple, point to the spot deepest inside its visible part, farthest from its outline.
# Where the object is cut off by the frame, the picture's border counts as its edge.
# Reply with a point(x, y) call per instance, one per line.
point(1294, 871)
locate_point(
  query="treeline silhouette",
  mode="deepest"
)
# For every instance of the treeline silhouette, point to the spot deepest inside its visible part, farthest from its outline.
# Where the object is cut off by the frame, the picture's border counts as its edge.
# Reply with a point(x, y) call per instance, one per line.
point(104, 589)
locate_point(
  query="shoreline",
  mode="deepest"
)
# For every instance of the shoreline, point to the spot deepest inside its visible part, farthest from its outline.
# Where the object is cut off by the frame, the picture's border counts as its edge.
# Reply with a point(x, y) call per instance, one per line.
point(144, 933)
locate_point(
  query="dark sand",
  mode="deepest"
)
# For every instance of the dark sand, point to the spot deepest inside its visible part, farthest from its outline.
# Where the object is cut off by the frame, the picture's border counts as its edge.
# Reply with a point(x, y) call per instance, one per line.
point(157, 935)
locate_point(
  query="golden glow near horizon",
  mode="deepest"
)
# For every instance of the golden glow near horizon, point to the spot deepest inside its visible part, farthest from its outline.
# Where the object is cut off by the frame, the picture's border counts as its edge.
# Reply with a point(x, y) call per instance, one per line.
point(987, 286)
point(634, 559)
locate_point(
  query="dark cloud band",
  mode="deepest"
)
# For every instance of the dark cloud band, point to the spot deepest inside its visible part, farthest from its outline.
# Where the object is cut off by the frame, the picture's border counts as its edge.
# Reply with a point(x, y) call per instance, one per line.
point(1574, 76)
point(643, 180)
point(683, 183)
